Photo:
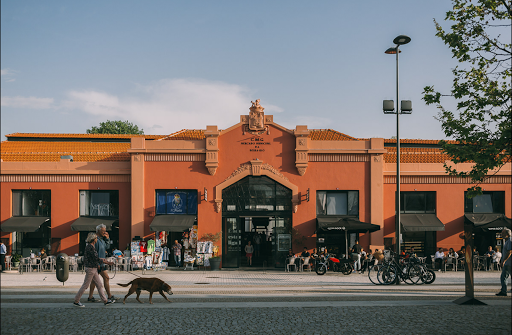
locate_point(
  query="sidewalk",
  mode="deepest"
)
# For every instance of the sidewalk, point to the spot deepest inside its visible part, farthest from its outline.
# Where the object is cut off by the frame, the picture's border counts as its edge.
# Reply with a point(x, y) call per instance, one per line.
point(260, 280)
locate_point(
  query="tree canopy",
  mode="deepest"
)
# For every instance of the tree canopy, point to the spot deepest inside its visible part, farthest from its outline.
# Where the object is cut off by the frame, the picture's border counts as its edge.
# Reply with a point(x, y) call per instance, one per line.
point(116, 127)
point(479, 38)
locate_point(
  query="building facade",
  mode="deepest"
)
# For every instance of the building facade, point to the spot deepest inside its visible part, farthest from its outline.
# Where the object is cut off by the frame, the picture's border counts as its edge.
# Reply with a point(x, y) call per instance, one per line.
point(291, 187)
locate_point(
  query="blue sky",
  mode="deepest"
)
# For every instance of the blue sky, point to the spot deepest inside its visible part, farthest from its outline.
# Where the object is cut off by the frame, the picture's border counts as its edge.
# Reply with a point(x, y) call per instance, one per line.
point(168, 65)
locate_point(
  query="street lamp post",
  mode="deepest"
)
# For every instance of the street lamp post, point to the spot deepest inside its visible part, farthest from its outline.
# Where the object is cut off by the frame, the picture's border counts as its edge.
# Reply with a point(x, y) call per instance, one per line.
point(406, 108)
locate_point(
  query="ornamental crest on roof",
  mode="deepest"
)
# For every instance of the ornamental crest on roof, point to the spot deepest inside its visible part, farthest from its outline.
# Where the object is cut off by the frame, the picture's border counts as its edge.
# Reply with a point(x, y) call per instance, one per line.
point(255, 123)
point(256, 116)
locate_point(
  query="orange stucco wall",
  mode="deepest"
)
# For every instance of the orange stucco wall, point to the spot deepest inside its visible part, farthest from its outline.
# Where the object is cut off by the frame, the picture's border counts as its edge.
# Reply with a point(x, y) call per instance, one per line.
point(279, 153)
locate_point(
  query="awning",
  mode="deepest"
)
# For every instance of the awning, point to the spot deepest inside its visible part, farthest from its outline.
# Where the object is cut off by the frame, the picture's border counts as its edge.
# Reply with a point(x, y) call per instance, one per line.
point(420, 222)
point(89, 224)
point(489, 222)
point(172, 222)
point(25, 224)
point(343, 223)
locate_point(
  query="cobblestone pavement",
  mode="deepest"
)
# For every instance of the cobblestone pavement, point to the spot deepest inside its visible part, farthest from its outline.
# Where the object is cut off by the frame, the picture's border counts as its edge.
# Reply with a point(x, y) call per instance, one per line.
point(444, 319)
point(256, 302)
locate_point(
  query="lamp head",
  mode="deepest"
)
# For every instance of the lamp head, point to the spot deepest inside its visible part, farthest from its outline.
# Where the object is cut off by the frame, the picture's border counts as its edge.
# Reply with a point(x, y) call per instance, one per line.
point(392, 51)
point(401, 39)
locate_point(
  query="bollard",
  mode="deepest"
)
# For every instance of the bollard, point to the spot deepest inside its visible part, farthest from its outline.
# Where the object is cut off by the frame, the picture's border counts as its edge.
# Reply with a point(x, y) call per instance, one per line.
point(62, 267)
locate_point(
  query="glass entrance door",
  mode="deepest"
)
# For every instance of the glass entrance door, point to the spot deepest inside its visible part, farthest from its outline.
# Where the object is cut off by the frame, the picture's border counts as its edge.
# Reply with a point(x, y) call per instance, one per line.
point(232, 244)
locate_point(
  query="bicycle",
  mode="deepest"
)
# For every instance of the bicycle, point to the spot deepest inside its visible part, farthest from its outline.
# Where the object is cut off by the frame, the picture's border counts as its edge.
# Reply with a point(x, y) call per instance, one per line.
point(391, 271)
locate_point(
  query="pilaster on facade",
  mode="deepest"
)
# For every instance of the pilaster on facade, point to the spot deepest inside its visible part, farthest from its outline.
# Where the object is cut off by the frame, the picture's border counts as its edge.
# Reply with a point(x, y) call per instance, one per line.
point(377, 191)
point(212, 149)
point(301, 149)
point(137, 186)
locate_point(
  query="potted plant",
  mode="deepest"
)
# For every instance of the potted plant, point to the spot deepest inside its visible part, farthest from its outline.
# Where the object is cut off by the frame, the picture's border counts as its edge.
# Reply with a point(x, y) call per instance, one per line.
point(15, 259)
point(215, 260)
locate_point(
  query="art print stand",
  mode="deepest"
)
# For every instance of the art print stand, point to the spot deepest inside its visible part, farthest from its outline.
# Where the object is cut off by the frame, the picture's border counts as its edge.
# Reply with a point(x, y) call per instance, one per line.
point(204, 253)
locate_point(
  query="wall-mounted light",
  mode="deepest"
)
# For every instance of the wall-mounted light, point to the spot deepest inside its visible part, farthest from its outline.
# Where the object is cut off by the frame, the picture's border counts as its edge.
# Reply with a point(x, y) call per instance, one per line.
point(30, 188)
point(205, 194)
point(98, 188)
point(337, 188)
point(175, 188)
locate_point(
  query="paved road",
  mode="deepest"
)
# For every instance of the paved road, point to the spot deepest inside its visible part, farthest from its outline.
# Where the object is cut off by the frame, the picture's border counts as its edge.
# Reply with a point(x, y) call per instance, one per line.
point(256, 302)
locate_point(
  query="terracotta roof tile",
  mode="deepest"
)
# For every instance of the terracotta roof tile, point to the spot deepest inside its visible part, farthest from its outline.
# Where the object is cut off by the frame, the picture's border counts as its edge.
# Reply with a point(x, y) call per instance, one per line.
point(185, 134)
point(81, 136)
point(29, 151)
point(403, 140)
point(416, 155)
point(329, 135)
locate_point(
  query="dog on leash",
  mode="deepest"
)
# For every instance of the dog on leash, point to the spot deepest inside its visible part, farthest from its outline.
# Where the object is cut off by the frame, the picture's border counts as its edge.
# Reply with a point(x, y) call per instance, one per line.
point(147, 284)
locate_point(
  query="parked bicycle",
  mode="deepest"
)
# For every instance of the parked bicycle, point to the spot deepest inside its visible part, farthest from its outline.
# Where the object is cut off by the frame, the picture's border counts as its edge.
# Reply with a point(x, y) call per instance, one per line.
point(407, 271)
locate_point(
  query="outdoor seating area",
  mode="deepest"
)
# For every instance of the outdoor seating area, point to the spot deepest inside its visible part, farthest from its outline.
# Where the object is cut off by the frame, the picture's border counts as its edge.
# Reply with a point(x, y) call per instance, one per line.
point(298, 264)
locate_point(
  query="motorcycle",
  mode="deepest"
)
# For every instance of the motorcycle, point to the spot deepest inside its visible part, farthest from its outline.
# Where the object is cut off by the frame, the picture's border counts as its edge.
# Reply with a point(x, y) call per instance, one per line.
point(345, 266)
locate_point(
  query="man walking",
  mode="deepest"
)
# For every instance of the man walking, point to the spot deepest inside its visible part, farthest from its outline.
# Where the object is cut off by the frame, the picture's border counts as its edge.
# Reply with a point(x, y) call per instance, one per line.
point(3, 251)
point(101, 247)
point(506, 261)
point(177, 253)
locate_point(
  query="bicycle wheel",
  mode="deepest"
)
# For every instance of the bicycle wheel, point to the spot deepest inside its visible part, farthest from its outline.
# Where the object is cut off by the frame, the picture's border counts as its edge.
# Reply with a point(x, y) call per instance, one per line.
point(430, 277)
point(414, 274)
point(387, 275)
point(346, 269)
point(321, 270)
point(373, 270)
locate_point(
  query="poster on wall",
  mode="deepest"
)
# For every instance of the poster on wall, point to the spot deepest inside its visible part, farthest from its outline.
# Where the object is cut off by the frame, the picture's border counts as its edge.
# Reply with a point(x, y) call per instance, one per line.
point(135, 248)
point(284, 242)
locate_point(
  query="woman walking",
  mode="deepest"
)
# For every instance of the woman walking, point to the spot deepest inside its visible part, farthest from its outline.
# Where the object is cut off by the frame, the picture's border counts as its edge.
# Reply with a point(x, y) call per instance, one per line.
point(91, 263)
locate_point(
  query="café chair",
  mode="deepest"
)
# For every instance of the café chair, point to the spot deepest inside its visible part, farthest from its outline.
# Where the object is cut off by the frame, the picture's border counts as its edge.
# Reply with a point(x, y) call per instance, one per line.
point(306, 264)
point(451, 261)
point(291, 262)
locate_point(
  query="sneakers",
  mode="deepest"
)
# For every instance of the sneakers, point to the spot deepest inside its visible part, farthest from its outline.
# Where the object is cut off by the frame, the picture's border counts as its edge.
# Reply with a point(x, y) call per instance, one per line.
point(78, 304)
point(109, 302)
point(112, 298)
point(92, 299)
point(501, 294)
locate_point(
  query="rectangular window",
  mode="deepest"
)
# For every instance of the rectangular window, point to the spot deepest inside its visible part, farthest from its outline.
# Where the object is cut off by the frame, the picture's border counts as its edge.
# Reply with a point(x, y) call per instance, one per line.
point(417, 202)
point(337, 203)
point(99, 203)
point(176, 202)
point(488, 202)
point(31, 203)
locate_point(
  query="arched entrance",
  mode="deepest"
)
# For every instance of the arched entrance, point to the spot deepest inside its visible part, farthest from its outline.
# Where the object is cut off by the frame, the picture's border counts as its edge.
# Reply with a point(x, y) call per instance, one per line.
point(256, 209)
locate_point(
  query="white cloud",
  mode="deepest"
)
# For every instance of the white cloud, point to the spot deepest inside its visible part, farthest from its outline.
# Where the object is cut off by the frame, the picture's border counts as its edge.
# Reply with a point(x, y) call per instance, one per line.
point(170, 105)
point(8, 75)
point(27, 102)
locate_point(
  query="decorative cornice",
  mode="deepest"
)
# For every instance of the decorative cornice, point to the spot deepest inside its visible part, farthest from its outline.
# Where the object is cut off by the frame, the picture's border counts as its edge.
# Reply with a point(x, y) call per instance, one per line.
point(445, 180)
point(336, 157)
point(64, 178)
point(241, 169)
point(175, 157)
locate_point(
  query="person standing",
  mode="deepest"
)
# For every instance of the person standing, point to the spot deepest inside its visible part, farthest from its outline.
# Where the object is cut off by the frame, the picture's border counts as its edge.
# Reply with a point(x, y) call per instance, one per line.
point(356, 256)
point(488, 260)
point(506, 261)
point(177, 253)
point(100, 246)
point(257, 244)
point(3, 251)
point(249, 249)
point(91, 263)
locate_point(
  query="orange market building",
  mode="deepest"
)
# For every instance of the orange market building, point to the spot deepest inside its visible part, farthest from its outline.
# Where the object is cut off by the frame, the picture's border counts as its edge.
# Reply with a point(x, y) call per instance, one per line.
point(290, 186)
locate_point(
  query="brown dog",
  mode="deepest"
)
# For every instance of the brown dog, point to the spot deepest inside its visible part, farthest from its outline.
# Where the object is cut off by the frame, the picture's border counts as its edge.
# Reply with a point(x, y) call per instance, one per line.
point(147, 284)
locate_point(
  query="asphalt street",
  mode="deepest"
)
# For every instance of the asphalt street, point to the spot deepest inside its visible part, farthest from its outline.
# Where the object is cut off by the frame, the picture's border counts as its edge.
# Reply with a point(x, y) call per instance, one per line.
point(256, 302)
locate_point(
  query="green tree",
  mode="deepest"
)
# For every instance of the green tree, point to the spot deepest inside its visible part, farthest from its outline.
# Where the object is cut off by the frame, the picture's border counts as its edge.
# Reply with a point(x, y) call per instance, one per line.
point(479, 39)
point(116, 127)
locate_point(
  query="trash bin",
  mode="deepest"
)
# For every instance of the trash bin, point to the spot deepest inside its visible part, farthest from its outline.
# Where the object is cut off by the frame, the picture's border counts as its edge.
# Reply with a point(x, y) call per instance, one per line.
point(62, 267)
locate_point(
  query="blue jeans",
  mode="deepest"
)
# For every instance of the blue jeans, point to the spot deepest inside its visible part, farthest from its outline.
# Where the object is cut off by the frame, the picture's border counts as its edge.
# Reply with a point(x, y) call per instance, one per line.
point(177, 259)
point(505, 273)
